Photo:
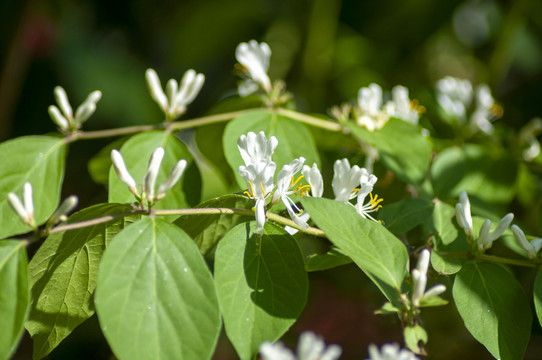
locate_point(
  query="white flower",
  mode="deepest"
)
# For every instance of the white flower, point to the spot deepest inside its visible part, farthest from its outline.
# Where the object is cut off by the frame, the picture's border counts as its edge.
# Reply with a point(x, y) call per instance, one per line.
point(256, 149)
point(454, 96)
point(345, 180)
point(485, 238)
point(122, 171)
point(401, 107)
point(367, 182)
point(255, 58)
point(419, 280)
point(390, 352)
point(462, 213)
point(532, 247)
point(370, 102)
point(64, 118)
point(314, 178)
point(486, 109)
point(309, 347)
point(284, 183)
point(62, 211)
point(178, 97)
point(24, 209)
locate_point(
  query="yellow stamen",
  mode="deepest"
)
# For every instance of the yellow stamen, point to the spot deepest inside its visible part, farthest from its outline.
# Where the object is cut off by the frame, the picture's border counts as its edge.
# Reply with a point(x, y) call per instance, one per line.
point(375, 202)
point(263, 190)
point(247, 194)
point(415, 105)
point(496, 110)
point(295, 182)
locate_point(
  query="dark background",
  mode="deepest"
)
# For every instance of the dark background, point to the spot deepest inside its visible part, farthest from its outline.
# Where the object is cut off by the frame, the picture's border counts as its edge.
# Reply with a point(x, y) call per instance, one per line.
point(325, 50)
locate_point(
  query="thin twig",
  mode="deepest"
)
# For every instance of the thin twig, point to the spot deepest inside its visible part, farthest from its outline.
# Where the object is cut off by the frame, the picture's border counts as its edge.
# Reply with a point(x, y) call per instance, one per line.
point(310, 120)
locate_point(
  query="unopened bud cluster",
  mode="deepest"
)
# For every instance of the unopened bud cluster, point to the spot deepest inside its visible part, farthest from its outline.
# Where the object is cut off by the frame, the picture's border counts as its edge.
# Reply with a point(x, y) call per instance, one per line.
point(63, 114)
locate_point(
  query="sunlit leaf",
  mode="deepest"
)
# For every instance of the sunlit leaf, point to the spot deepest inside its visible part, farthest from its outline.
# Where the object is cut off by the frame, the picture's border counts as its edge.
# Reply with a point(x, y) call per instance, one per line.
point(406, 214)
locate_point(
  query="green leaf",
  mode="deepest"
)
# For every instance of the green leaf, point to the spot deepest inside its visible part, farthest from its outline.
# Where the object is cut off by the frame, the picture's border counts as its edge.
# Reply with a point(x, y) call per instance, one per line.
point(494, 308)
point(374, 249)
point(328, 260)
point(433, 301)
point(487, 175)
point(443, 223)
point(207, 230)
point(261, 285)
point(387, 309)
point(401, 146)
point(155, 296)
point(35, 159)
point(63, 276)
point(294, 139)
point(537, 293)
point(404, 215)
point(99, 165)
point(415, 338)
point(14, 294)
point(137, 152)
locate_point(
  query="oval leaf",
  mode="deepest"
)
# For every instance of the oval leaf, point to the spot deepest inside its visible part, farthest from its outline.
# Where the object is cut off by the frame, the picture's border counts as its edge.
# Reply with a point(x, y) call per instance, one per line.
point(404, 215)
point(374, 249)
point(294, 139)
point(38, 160)
point(63, 276)
point(137, 152)
point(261, 285)
point(494, 308)
point(207, 230)
point(14, 294)
point(155, 296)
point(538, 296)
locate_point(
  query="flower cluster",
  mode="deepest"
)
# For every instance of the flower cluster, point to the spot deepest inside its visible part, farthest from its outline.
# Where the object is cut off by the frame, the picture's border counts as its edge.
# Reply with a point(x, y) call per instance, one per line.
point(254, 59)
point(309, 347)
point(456, 96)
point(25, 208)
point(178, 95)
point(419, 281)
point(148, 191)
point(390, 352)
point(63, 114)
point(485, 237)
point(373, 114)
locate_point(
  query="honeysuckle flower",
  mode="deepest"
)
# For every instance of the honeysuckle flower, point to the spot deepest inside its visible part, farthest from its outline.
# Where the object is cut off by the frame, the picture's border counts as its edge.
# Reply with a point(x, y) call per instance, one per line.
point(24, 209)
point(402, 107)
point(254, 57)
point(149, 181)
point(370, 102)
point(178, 96)
point(486, 110)
point(256, 148)
point(462, 213)
point(485, 238)
point(532, 247)
point(454, 96)
point(345, 180)
point(390, 352)
point(367, 182)
point(314, 178)
point(64, 118)
point(309, 347)
point(419, 280)
point(285, 182)
point(63, 210)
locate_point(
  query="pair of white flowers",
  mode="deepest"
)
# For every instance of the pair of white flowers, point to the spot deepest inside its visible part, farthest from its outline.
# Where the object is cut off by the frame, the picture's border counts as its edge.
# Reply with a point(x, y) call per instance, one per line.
point(25, 208)
point(373, 114)
point(258, 172)
point(312, 347)
point(148, 189)
point(456, 96)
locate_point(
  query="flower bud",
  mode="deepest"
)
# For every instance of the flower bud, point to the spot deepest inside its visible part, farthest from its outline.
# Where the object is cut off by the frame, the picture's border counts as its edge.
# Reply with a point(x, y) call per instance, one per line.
point(483, 241)
point(152, 173)
point(173, 178)
point(122, 171)
point(501, 227)
point(58, 118)
point(84, 112)
point(155, 89)
point(18, 207)
point(62, 211)
point(62, 101)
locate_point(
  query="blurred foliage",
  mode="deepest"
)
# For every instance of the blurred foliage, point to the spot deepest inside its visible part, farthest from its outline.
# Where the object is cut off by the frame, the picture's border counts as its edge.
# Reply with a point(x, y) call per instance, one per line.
point(324, 50)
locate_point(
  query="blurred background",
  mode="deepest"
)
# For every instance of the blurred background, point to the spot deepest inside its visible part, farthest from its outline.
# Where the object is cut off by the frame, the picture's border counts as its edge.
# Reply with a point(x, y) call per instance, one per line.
point(325, 50)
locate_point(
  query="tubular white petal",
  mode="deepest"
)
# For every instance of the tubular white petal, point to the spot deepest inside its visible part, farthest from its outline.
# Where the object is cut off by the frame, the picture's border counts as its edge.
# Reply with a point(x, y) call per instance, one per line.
point(461, 219)
point(483, 241)
point(152, 173)
point(18, 207)
point(93, 97)
point(63, 103)
point(260, 215)
point(84, 112)
point(464, 200)
point(58, 118)
point(28, 200)
point(190, 89)
point(122, 171)
point(155, 89)
point(66, 207)
point(419, 283)
point(522, 240)
point(314, 178)
point(345, 179)
point(537, 245)
point(434, 291)
point(171, 92)
point(501, 227)
point(173, 177)
point(423, 261)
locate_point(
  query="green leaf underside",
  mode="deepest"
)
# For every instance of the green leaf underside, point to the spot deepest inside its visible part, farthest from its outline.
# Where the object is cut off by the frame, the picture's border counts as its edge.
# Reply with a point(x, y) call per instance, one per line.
point(480, 172)
point(538, 296)
point(294, 139)
point(38, 160)
point(207, 230)
point(401, 146)
point(136, 153)
point(155, 296)
point(404, 215)
point(14, 294)
point(63, 276)
point(261, 285)
point(373, 248)
point(494, 308)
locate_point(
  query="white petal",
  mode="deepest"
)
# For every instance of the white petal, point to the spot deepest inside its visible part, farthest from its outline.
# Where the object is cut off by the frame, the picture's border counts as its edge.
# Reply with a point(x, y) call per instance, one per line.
point(155, 88)
point(315, 180)
point(63, 103)
point(260, 215)
point(122, 171)
point(152, 172)
point(501, 227)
